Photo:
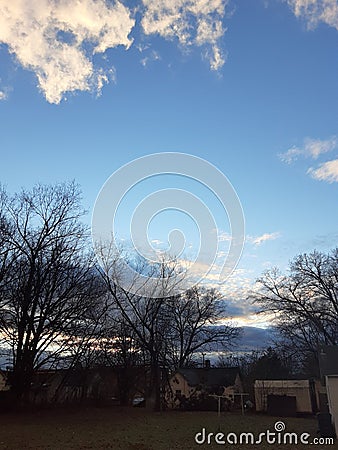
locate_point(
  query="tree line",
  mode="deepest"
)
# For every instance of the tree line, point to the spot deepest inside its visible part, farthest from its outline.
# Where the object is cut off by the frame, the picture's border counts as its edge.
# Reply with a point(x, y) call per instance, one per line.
point(60, 308)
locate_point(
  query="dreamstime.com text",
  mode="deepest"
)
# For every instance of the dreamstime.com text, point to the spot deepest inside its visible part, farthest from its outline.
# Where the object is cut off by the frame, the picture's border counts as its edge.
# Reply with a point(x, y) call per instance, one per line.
point(278, 436)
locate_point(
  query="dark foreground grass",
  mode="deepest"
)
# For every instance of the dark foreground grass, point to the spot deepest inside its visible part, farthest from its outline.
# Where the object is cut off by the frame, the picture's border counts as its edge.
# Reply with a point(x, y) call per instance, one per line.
point(135, 428)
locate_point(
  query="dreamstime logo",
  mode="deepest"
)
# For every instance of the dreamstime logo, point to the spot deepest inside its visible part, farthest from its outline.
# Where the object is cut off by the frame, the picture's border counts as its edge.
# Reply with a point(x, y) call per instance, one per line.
point(278, 436)
point(279, 426)
point(115, 190)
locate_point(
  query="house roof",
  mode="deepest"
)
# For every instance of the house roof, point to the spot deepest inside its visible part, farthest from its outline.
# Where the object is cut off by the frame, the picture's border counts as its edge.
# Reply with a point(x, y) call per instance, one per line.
point(213, 376)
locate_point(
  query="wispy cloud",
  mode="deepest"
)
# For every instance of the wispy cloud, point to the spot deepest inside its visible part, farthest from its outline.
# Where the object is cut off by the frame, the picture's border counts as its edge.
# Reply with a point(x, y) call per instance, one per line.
point(316, 11)
point(57, 40)
point(157, 242)
point(153, 56)
point(312, 148)
point(327, 171)
point(258, 240)
point(197, 22)
point(224, 236)
point(4, 91)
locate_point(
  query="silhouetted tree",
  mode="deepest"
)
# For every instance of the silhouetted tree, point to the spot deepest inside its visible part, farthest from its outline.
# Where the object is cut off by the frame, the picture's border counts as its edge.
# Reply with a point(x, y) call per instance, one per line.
point(195, 327)
point(144, 317)
point(304, 303)
point(48, 289)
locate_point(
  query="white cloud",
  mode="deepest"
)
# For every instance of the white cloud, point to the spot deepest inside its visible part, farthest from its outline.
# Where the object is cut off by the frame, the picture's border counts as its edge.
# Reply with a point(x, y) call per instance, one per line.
point(197, 22)
point(316, 11)
point(33, 33)
point(59, 40)
point(312, 148)
point(258, 240)
point(327, 171)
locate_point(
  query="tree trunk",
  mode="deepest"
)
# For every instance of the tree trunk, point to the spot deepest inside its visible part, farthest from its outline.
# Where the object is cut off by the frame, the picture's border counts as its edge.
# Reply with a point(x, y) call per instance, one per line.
point(153, 398)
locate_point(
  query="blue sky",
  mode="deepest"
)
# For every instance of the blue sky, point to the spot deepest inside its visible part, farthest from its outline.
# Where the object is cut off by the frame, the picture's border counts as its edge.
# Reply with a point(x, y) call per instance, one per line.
point(250, 86)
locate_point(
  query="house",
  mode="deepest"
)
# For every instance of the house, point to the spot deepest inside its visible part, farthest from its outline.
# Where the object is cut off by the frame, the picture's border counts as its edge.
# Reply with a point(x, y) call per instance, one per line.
point(328, 363)
point(295, 396)
point(193, 384)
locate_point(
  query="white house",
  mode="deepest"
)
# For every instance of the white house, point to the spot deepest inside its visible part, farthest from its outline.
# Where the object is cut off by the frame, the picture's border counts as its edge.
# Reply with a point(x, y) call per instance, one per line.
point(190, 383)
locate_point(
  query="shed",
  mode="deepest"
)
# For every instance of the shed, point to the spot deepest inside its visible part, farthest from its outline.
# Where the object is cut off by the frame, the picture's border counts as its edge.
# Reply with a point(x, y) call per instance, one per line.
point(304, 392)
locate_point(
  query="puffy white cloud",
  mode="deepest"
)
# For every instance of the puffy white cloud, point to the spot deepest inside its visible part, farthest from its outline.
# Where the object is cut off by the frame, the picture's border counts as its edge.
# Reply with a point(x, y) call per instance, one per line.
point(327, 171)
point(316, 147)
point(196, 22)
point(258, 240)
point(312, 148)
point(316, 11)
point(56, 39)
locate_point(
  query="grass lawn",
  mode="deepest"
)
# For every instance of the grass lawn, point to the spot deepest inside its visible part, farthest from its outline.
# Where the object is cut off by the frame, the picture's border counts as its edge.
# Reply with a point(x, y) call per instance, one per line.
point(135, 428)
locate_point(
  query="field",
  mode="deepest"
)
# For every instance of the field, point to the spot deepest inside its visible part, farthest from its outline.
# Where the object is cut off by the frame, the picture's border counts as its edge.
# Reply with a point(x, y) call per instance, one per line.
point(135, 428)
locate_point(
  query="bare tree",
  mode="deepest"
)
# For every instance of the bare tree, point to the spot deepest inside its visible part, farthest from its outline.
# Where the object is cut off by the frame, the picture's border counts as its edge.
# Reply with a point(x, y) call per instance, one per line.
point(145, 326)
point(142, 307)
point(50, 291)
point(304, 303)
point(195, 327)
